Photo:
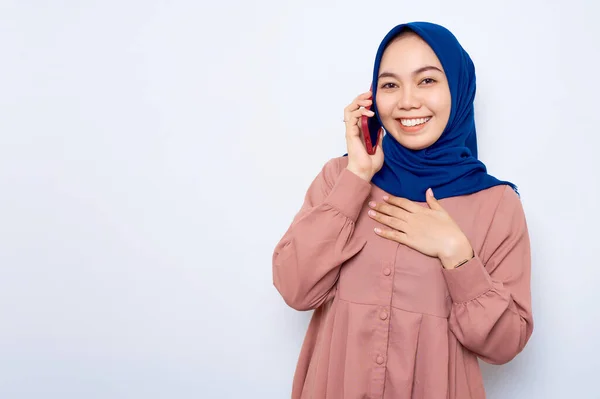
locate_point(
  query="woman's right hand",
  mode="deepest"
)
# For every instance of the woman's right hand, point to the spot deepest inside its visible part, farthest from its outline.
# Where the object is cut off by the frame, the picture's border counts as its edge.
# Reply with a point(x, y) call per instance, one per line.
point(360, 162)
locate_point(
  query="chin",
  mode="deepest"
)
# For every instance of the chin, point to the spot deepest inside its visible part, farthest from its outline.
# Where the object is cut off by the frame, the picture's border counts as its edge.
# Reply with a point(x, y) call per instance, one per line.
point(414, 143)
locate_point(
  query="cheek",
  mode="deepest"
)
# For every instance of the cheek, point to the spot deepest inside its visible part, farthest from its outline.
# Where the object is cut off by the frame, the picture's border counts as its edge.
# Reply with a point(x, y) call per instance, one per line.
point(440, 103)
point(385, 106)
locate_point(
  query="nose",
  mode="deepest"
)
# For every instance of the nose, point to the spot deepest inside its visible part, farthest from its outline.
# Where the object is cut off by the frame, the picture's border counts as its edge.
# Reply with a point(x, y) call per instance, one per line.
point(408, 99)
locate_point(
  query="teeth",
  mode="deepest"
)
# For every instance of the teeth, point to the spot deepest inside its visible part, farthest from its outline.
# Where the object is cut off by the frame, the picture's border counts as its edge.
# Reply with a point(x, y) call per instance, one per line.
point(414, 122)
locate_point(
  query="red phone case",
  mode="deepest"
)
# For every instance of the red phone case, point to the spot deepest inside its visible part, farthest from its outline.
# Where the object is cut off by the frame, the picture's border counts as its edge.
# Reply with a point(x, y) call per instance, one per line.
point(364, 124)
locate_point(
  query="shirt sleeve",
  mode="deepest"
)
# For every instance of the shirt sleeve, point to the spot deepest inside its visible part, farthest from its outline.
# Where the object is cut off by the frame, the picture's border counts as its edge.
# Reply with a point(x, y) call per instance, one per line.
point(307, 259)
point(491, 312)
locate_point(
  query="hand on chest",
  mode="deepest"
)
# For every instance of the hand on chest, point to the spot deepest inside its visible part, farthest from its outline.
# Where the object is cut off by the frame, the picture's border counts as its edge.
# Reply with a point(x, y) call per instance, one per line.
point(405, 272)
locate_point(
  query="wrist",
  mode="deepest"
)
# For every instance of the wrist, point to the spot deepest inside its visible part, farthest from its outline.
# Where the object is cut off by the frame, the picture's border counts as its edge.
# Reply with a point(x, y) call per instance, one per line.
point(363, 175)
point(460, 254)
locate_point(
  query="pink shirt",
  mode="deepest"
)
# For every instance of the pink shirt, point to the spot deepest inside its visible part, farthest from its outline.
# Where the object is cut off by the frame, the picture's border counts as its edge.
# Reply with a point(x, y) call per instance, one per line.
point(390, 322)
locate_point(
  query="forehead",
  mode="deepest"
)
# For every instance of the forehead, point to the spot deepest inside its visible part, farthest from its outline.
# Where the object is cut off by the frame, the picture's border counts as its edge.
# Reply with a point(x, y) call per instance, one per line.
point(408, 51)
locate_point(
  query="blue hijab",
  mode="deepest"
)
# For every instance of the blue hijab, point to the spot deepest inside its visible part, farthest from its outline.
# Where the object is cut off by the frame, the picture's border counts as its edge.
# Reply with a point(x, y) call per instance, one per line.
point(449, 166)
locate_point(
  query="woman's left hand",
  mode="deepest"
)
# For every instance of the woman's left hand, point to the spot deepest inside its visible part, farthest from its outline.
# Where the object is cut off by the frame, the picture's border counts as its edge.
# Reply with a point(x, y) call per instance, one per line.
point(430, 231)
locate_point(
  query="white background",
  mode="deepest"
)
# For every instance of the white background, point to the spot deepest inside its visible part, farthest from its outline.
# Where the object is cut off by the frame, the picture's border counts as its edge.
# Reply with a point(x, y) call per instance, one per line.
point(152, 153)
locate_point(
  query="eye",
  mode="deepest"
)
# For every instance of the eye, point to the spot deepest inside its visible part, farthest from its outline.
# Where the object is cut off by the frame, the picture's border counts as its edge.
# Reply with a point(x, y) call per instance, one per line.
point(428, 81)
point(388, 85)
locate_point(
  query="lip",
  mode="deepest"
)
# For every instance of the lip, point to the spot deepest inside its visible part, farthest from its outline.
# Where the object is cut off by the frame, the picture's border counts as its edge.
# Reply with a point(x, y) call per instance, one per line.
point(413, 117)
point(413, 129)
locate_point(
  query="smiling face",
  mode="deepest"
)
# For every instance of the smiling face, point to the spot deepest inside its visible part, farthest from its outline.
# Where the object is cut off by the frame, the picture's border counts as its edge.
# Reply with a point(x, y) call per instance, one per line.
point(413, 97)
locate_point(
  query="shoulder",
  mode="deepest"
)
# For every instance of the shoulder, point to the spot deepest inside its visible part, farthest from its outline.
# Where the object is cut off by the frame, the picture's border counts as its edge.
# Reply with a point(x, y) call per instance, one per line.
point(497, 207)
point(497, 198)
point(506, 209)
point(508, 202)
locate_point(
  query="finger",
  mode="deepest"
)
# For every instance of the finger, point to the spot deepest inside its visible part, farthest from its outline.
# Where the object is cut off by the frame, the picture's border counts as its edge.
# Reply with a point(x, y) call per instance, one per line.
point(353, 117)
point(356, 105)
point(349, 110)
point(393, 235)
point(394, 223)
point(389, 210)
point(363, 100)
point(362, 111)
point(403, 203)
point(365, 95)
point(432, 201)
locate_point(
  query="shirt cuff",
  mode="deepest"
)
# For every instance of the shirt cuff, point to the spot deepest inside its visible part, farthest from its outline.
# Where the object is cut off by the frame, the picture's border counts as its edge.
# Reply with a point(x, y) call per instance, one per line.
point(468, 281)
point(348, 194)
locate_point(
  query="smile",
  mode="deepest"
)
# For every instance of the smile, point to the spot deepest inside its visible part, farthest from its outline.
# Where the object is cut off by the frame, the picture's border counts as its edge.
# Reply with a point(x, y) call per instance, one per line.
point(413, 124)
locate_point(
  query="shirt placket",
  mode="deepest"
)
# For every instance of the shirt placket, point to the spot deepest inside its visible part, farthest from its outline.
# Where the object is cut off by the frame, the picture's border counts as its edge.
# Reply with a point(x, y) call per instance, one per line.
point(382, 329)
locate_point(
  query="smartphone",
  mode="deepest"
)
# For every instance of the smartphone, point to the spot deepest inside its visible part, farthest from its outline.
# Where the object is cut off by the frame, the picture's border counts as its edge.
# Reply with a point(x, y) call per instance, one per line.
point(368, 126)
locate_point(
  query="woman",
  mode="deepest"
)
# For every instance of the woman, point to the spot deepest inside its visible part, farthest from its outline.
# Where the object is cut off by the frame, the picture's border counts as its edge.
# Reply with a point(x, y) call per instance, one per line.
point(415, 259)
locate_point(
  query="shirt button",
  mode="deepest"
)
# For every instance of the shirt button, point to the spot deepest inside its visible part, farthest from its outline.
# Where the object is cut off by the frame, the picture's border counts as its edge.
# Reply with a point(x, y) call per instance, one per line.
point(379, 359)
point(383, 315)
point(387, 271)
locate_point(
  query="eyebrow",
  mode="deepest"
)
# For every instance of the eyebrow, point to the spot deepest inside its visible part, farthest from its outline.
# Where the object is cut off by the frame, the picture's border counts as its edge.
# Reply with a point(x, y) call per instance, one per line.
point(418, 71)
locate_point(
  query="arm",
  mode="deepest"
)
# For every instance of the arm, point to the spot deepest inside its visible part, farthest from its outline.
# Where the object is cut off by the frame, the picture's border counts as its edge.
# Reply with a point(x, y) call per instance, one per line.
point(307, 260)
point(491, 311)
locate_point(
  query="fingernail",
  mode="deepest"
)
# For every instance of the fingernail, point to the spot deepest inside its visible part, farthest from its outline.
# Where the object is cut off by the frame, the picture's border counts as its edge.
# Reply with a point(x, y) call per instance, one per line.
point(430, 192)
point(385, 197)
point(372, 204)
point(371, 213)
point(377, 230)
